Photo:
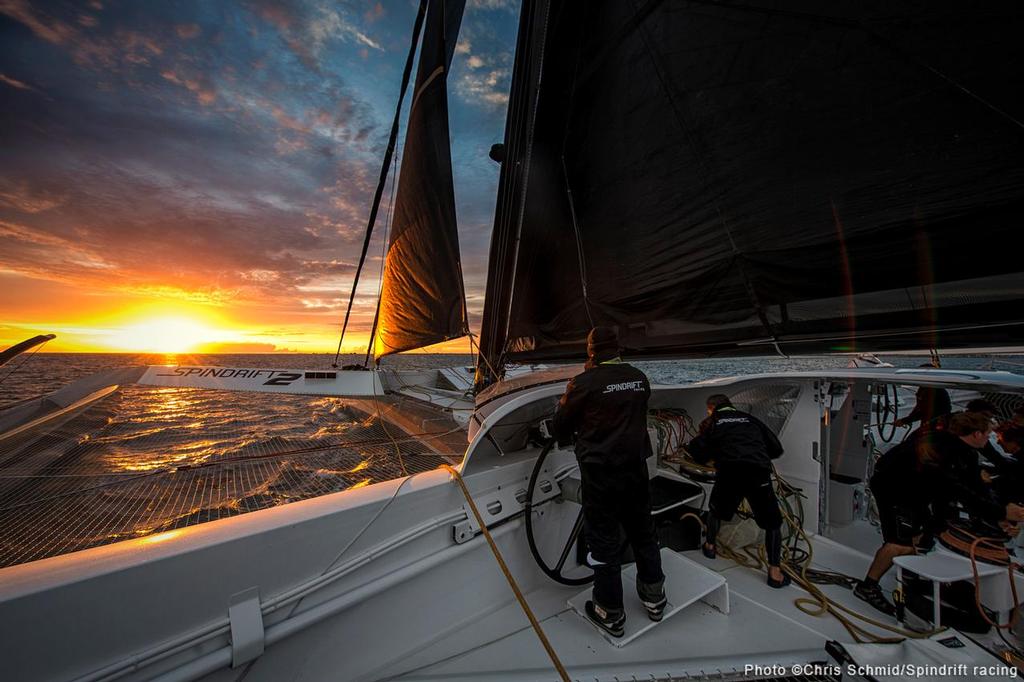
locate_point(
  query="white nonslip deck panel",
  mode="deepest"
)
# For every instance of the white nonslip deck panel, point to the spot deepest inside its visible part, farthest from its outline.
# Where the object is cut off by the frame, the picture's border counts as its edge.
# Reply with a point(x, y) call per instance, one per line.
point(685, 583)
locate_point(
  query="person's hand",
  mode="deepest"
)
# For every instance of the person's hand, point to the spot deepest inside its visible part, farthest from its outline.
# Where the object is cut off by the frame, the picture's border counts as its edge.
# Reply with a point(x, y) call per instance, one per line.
point(986, 477)
point(1009, 528)
point(1014, 513)
point(899, 422)
point(705, 424)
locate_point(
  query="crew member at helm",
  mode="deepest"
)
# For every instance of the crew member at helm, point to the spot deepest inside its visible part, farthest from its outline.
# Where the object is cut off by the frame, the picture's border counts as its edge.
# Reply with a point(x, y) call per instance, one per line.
point(606, 408)
point(743, 448)
point(932, 405)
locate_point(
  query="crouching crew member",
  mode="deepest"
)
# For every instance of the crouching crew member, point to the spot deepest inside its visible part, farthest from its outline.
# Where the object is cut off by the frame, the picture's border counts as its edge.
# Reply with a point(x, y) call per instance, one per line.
point(919, 485)
point(606, 408)
point(743, 449)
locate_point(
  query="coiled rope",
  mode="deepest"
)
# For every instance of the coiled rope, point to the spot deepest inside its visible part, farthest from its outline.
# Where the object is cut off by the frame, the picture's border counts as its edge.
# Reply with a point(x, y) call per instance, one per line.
point(989, 550)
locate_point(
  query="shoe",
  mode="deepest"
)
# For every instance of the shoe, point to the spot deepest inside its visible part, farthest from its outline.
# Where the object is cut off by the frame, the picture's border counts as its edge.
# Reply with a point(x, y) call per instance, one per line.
point(779, 584)
point(873, 595)
point(612, 622)
point(655, 610)
point(709, 551)
point(652, 596)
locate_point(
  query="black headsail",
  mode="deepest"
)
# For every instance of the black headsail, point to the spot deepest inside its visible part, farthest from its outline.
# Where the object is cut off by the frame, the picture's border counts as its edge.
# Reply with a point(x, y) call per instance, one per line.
point(422, 298)
point(753, 176)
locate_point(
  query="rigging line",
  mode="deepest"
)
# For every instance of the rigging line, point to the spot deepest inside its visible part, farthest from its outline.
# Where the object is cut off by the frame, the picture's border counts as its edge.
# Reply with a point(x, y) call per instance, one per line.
point(380, 283)
point(482, 356)
point(568, 186)
point(509, 182)
point(579, 246)
point(385, 166)
point(508, 575)
point(706, 181)
point(373, 333)
point(383, 426)
point(932, 352)
point(23, 361)
point(383, 267)
point(355, 538)
point(962, 88)
point(530, 130)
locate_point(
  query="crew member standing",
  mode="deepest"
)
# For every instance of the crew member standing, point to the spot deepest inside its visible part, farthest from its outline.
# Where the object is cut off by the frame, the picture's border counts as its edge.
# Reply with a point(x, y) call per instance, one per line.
point(606, 408)
point(743, 449)
point(931, 406)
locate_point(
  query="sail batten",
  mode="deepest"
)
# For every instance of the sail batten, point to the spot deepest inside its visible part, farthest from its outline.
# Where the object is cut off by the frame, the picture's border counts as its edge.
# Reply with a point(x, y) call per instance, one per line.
point(751, 174)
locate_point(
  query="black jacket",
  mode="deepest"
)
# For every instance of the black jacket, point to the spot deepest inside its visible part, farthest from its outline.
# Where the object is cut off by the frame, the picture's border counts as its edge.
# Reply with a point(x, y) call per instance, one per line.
point(938, 471)
point(733, 438)
point(606, 407)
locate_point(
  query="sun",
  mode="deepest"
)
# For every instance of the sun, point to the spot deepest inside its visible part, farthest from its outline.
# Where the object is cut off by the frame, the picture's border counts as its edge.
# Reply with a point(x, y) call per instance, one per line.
point(164, 335)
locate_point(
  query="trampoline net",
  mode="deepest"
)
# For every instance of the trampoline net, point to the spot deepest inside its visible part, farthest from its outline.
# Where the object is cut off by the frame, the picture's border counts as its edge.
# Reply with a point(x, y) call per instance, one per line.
point(144, 461)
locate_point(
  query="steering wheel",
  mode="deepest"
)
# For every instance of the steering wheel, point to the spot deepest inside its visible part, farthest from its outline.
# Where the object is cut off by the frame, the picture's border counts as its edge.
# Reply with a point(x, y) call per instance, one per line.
point(553, 572)
point(886, 404)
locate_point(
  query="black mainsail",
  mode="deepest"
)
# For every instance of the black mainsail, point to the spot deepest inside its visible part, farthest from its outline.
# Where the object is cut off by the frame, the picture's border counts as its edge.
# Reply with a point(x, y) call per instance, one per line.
point(751, 176)
point(422, 299)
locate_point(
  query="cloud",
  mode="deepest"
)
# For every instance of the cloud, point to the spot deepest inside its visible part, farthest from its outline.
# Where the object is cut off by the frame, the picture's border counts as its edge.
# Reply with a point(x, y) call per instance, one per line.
point(222, 155)
point(21, 197)
point(375, 13)
point(187, 31)
point(484, 86)
point(309, 29)
point(238, 347)
point(330, 24)
point(482, 77)
point(212, 296)
point(504, 5)
point(45, 26)
point(14, 83)
point(200, 85)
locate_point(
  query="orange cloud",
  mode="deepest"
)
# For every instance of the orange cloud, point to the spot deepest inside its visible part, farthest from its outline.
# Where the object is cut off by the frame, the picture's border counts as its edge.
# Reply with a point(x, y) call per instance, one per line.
point(187, 31)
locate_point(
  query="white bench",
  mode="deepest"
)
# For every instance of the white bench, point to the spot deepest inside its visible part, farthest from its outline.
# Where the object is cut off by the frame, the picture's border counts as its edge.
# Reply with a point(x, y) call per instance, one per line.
point(943, 566)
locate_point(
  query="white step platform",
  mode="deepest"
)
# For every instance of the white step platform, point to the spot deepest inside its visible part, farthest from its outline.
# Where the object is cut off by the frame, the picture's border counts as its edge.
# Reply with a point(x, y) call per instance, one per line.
point(686, 582)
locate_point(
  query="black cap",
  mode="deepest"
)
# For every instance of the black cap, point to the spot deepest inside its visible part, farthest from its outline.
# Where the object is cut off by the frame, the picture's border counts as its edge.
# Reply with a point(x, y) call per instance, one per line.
point(603, 341)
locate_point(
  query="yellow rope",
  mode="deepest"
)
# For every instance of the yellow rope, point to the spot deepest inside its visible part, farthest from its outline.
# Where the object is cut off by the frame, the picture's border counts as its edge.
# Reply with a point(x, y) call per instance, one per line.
point(818, 604)
point(508, 575)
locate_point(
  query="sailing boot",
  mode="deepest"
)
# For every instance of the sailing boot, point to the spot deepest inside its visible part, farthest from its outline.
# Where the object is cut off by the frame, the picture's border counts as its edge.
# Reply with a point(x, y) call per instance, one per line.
point(872, 594)
point(611, 621)
point(652, 596)
point(711, 534)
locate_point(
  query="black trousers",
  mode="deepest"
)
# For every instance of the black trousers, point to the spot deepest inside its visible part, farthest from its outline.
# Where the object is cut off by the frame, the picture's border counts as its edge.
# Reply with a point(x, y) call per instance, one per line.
point(737, 482)
point(617, 499)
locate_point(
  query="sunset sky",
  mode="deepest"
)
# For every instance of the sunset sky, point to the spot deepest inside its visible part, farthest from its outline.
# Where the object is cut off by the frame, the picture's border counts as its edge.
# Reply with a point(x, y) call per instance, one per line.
point(196, 176)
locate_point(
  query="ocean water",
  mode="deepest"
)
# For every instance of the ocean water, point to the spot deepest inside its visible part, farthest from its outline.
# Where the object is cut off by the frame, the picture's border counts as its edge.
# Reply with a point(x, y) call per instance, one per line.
point(149, 460)
point(33, 375)
point(160, 426)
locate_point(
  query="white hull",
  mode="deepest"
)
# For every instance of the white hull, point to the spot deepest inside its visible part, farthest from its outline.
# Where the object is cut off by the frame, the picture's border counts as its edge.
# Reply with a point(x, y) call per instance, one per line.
point(376, 583)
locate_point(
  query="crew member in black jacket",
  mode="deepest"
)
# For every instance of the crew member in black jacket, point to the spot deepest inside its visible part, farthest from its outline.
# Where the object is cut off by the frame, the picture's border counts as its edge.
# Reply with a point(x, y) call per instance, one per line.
point(743, 449)
point(606, 408)
point(919, 487)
